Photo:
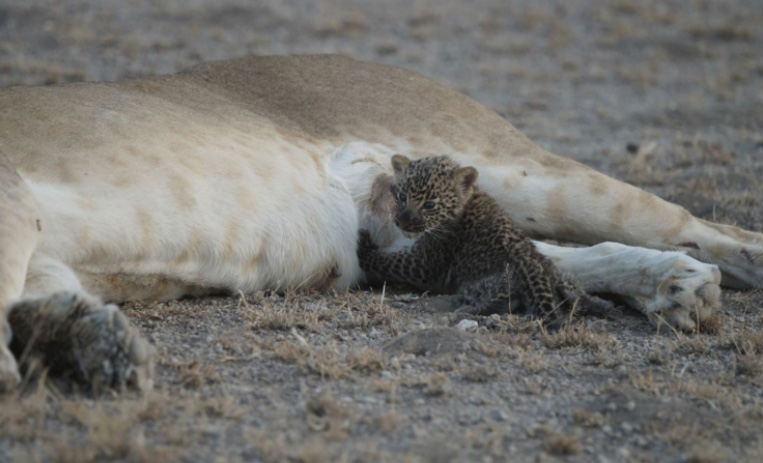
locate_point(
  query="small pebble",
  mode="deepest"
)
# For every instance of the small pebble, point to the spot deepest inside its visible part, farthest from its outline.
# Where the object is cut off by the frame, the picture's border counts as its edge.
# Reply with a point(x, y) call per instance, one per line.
point(468, 417)
point(218, 348)
point(497, 415)
point(466, 325)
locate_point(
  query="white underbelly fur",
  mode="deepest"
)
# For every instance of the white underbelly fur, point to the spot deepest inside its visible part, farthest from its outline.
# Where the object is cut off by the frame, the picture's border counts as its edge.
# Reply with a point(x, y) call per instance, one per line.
point(286, 237)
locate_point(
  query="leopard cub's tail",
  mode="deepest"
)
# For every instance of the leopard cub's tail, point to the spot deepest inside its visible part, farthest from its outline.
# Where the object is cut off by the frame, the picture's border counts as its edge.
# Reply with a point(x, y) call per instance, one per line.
point(555, 298)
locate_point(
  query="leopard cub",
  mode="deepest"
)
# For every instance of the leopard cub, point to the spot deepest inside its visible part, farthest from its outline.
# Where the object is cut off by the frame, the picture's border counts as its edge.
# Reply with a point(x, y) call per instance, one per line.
point(467, 245)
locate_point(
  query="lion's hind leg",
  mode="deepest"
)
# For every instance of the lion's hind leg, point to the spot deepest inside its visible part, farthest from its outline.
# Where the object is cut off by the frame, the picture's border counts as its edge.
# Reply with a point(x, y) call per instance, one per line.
point(668, 287)
point(73, 333)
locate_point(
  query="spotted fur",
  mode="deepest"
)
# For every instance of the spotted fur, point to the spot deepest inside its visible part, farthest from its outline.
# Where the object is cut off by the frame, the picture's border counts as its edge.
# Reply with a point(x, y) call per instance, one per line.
point(468, 245)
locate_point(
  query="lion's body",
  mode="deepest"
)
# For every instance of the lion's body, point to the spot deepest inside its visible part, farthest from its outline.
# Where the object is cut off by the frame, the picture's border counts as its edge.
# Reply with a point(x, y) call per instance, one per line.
point(232, 176)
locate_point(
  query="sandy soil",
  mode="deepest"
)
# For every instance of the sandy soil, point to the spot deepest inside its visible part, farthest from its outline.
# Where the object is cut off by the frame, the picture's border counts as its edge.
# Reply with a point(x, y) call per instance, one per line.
point(665, 94)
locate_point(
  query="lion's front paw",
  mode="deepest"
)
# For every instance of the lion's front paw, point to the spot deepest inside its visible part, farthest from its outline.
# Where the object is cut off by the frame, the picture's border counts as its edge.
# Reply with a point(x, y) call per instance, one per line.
point(75, 335)
point(685, 294)
point(109, 351)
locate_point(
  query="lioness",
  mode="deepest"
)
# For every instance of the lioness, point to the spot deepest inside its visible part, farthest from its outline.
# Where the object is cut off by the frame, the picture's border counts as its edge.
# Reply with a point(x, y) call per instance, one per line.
point(257, 173)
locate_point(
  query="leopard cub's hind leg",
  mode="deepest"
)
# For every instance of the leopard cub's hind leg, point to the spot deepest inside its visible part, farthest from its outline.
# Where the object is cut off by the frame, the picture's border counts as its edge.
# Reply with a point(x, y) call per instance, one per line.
point(502, 293)
point(486, 296)
point(573, 299)
point(72, 332)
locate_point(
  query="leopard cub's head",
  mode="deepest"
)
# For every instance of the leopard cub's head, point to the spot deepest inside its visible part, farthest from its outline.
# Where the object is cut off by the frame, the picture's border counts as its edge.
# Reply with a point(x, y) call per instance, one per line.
point(430, 192)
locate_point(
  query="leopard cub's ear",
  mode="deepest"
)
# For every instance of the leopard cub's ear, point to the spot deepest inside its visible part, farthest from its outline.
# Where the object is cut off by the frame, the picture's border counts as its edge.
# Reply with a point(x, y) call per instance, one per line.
point(466, 177)
point(400, 163)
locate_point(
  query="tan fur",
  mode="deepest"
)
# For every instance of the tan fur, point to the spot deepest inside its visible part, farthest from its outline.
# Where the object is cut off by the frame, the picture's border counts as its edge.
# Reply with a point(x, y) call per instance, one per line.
point(224, 177)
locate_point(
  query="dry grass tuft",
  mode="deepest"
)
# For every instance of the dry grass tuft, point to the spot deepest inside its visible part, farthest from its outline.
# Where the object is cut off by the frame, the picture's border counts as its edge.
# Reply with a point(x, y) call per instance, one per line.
point(578, 335)
point(680, 435)
point(194, 374)
point(365, 313)
point(324, 414)
point(22, 415)
point(113, 431)
point(437, 385)
point(490, 439)
point(701, 447)
point(383, 385)
point(222, 407)
point(587, 419)
point(749, 364)
point(703, 391)
point(561, 444)
point(388, 421)
point(702, 152)
point(328, 361)
point(749, 348)
point(645, 382)
point(367, 360)
point(749, 341)
point(532, 387)
point(295, 309)
point(271, 448)
point(712, 325)
point(284, 318)
point(480, 374)
point(533, 362)
point(659, 355)
point(693, 345)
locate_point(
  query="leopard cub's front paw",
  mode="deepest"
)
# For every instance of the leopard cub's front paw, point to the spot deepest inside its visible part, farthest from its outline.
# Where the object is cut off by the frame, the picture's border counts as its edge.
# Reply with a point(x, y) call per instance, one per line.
point(366, 245)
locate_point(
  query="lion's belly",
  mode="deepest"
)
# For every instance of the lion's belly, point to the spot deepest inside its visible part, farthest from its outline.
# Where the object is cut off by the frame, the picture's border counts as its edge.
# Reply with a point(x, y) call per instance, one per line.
point(232, 209)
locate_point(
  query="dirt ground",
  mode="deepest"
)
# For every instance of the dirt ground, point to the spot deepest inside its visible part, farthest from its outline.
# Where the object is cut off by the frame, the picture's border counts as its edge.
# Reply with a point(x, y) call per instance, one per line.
point(665, 94)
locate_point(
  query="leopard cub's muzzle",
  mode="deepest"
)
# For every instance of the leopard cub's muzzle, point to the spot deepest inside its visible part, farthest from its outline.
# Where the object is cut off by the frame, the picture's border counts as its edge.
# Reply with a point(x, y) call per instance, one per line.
point(409, 222)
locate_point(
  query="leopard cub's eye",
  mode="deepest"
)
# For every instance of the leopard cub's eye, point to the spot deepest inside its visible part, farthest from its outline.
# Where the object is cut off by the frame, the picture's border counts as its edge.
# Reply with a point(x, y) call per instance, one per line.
point(402, 197)
point(429, 205)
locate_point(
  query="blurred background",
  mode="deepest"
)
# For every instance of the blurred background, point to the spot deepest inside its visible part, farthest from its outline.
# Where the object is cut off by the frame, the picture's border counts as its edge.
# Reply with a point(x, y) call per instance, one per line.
point(666, 94)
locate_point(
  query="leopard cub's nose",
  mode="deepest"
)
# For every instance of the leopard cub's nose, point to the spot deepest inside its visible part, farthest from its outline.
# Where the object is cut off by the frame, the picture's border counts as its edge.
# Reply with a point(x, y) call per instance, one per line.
point(405, 216)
